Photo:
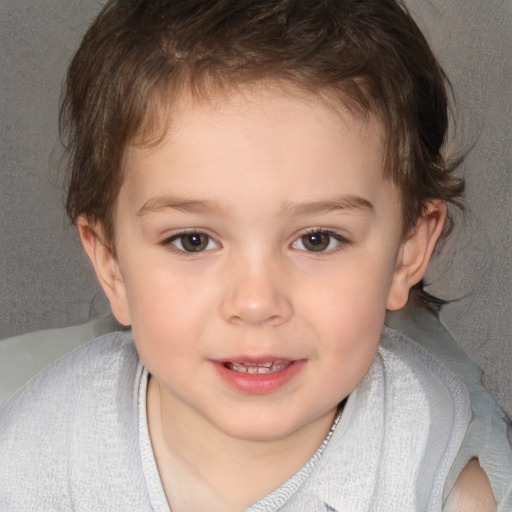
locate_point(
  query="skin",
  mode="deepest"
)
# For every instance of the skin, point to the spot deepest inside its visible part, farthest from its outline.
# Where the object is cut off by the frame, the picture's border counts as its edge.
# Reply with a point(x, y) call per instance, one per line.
point(472, 492)
point(253, 177)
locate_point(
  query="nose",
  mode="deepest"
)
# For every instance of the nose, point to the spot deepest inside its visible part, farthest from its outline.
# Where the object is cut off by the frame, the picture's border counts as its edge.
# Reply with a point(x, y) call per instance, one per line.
point(255, 293)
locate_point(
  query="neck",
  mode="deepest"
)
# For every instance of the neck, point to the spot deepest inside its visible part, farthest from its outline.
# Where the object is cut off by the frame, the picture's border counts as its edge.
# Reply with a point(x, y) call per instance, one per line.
point(203, 468)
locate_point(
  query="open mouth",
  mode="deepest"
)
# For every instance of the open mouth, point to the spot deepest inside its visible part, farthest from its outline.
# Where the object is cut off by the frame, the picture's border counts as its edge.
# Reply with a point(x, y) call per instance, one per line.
point(259, 376)
point(258, 368)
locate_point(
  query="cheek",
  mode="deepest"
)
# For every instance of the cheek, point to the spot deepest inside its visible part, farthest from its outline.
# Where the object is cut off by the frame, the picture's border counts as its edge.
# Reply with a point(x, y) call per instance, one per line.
point(351, 293)
point(347, 314)
point(168, 313)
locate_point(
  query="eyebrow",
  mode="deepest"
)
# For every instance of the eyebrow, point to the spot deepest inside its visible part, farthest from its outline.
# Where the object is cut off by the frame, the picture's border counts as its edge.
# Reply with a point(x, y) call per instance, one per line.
point(345, 203)
point(159, 204)
point(197, 206)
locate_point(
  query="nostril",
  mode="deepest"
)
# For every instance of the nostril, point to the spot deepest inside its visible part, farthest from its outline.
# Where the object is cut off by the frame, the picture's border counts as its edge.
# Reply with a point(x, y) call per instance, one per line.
point(275, 319)
point(235, 319)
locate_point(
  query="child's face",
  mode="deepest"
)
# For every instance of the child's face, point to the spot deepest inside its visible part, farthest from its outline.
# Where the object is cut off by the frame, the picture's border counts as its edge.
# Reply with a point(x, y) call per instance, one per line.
point(261, 230)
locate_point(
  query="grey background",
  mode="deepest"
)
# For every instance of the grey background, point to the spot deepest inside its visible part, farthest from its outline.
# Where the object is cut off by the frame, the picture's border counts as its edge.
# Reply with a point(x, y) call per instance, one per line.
point(45, 280)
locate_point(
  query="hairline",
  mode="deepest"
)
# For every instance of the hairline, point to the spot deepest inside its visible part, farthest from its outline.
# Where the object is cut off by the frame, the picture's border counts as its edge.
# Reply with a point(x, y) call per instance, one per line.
point(166, 107)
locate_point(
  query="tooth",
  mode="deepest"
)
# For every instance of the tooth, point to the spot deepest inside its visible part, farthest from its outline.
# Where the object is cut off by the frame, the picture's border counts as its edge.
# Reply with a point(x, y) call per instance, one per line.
point(259, 369)
point(253, 368)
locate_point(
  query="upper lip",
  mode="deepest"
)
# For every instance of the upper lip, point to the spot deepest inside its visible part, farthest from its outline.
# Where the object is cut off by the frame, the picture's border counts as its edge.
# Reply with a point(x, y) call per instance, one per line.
point(254, 359)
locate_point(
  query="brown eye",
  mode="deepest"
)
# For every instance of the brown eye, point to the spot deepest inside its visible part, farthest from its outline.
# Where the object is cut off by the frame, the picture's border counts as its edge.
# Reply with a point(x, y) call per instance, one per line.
point(320, 241)
point(192, 242)
point(316, 242)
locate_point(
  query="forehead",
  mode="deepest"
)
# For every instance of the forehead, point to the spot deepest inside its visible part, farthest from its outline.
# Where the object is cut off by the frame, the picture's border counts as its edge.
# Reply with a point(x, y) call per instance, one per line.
point(167, 111)
point(288, 145)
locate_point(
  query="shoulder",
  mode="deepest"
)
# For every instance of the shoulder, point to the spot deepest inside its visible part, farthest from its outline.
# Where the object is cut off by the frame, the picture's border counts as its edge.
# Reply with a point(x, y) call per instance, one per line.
point(74, 373)
point(472, 491)
point(425, 368)
point(485, 455)
point(68, 414)
point(82, 376)
point(445, 412)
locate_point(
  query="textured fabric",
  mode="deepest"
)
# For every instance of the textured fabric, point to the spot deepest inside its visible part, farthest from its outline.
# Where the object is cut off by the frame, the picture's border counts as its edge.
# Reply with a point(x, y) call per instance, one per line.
point(489, 435)
point(68, 438)
point(76, 438)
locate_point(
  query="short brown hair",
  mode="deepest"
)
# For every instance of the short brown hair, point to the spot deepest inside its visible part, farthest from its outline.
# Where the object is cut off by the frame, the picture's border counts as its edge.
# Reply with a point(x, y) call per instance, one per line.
point(139, 55)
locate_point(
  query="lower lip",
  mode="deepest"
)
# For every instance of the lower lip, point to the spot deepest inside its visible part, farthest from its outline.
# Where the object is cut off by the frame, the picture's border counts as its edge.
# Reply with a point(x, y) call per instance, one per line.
point(259, 383)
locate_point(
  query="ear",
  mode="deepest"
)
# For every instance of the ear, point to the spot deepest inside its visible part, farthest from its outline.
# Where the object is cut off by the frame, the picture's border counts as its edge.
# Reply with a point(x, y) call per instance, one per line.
point(106, 265)
point(415, 253)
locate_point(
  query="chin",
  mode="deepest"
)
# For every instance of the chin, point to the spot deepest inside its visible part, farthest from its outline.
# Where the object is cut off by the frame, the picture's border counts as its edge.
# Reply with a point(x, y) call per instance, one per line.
point(258, 431)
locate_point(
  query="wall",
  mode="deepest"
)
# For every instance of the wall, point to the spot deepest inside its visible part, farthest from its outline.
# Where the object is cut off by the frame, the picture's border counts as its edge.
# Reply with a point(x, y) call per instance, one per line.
point(45, 281)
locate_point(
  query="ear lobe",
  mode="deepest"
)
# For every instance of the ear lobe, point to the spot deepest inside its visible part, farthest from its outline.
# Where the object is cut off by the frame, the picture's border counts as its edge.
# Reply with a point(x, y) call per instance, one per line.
point(106, 267)
point(415, 253)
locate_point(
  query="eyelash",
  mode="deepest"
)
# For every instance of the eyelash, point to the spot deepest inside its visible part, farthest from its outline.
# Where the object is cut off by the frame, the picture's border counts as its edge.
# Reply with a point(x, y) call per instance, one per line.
point(341, 241)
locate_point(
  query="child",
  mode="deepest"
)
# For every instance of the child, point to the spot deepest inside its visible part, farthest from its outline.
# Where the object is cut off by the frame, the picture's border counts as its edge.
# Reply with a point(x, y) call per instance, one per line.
point(255, 183)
